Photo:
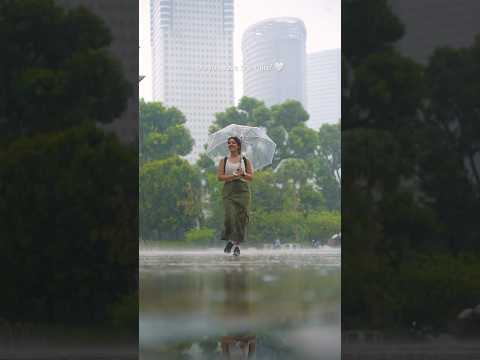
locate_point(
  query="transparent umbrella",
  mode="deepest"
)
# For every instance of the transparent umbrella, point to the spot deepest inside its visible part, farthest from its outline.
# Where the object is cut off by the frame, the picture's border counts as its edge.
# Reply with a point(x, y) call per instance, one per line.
point(256, 144)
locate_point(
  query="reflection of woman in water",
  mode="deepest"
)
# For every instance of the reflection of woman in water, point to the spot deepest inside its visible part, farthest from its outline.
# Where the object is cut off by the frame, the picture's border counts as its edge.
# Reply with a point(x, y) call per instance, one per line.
point(236, 171)
point(236, 299)
point(239, 343)
point(246, 344)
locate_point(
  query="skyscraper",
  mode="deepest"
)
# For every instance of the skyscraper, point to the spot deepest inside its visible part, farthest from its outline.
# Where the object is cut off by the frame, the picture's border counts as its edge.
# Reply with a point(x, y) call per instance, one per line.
point(274, 60)
point(123, 24)
point(433, 23)
point(323, 87)
point(192, 55)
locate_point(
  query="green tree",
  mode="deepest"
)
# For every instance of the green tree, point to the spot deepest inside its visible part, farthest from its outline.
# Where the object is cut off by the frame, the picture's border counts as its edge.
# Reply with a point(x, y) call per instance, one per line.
point(289, 114)
point(258, 114)
point(452, 136)
point(294, 171)
point(285, 124)
point(321, 225)
point(249, 105)
point(212, 202)
point(250, 111)
point(231, 115)
point(409, 133)
point(162, 132)
point(68, 219)
point(169, 198)
point(267, 194)
point(293, 184)
point(55, 69)
point(206, 164)
point(68, 190)
point(303, 142)
point(326, 166)
point(388, 90)
point(367, 37)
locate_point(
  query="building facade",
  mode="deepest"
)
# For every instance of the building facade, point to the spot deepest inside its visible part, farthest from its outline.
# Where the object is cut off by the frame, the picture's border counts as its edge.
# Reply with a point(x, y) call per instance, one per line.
point(192, 57)
point(123, 24)
point(323, 87)
point(274, 60)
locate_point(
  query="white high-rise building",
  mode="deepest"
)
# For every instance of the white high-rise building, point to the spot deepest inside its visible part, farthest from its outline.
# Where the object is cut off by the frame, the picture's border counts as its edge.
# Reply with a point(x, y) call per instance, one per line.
point(323, 87)
point(192, 56)
point(274, 60)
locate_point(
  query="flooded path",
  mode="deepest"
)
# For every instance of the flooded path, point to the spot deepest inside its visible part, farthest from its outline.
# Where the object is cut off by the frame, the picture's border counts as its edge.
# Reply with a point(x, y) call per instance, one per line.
point(287, 301)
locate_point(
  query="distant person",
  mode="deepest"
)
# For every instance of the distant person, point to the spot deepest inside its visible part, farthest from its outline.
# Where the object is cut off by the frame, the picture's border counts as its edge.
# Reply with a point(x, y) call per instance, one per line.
point(236, 171)
point(277, 244)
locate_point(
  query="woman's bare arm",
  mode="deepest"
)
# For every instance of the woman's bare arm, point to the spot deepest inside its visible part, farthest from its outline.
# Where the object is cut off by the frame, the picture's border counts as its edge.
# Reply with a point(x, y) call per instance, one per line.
point(248, 174)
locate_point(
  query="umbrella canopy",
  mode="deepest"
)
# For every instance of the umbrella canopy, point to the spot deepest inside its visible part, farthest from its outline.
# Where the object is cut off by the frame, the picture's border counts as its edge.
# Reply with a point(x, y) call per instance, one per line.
point(256, 144)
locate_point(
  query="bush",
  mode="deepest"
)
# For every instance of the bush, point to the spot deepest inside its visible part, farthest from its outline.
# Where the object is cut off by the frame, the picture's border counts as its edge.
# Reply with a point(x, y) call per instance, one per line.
point(200, 236)
point(322, 225)
point(428, 289)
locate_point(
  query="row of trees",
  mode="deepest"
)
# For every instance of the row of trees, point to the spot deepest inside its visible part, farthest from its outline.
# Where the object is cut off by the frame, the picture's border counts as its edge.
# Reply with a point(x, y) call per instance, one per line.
point(68, 209)
point(410, 137)
point(297, 198)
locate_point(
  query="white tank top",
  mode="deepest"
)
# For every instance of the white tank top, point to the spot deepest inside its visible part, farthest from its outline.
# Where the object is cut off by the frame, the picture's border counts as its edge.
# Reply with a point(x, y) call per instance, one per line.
point(231, 167)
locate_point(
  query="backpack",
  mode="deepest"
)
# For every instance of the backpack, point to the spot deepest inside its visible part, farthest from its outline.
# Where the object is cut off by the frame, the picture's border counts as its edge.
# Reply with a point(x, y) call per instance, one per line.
point(225, 163)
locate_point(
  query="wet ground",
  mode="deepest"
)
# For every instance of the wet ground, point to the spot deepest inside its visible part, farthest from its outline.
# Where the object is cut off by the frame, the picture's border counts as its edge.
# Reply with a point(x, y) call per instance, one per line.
point(286, 302)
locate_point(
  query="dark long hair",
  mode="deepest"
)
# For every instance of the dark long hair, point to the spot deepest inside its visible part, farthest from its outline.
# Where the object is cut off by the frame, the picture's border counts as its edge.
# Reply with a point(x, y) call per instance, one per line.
point(239, 143)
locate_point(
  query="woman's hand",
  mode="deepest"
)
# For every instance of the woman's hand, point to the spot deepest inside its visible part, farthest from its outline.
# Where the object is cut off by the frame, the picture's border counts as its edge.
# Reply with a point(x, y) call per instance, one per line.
point(239, 172)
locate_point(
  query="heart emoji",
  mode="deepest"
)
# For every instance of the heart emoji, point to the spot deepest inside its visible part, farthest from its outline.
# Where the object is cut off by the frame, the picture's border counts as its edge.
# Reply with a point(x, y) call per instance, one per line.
point(278, 66)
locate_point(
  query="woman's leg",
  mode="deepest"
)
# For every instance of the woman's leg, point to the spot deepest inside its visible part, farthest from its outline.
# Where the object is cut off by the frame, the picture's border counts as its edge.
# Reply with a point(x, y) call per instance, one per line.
point(229, 213)
point(242, 214)
point(236, 201)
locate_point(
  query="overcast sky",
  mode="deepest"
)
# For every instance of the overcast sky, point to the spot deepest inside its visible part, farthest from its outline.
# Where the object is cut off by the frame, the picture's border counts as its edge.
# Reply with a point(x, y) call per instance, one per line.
point(321, 17)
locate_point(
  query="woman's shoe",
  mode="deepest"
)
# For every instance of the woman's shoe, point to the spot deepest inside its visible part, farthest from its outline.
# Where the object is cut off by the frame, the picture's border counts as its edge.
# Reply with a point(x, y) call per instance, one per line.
point(236, 251)
point(228, 248)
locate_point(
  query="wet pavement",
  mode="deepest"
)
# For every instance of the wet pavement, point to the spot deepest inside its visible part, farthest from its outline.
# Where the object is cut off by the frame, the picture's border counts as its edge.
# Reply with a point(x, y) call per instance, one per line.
point(286, 302)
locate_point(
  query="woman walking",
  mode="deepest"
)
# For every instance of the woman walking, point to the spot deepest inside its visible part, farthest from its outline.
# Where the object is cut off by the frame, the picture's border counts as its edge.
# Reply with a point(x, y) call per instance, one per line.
point(236, 171)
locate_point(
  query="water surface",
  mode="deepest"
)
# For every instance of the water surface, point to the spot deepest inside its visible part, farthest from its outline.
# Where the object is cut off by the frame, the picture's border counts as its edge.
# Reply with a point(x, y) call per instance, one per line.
point(288, 299)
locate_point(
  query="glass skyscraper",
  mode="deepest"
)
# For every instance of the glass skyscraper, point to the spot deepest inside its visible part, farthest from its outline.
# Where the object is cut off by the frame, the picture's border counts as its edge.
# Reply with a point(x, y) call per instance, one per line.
point(192, 57)
point(274, 60)
point(323, 87)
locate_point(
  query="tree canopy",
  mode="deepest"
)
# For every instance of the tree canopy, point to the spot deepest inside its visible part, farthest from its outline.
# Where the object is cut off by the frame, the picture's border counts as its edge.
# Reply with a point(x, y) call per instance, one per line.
point(55, 69)
point(410, 189)
point(162, 132)
point(68, 209)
